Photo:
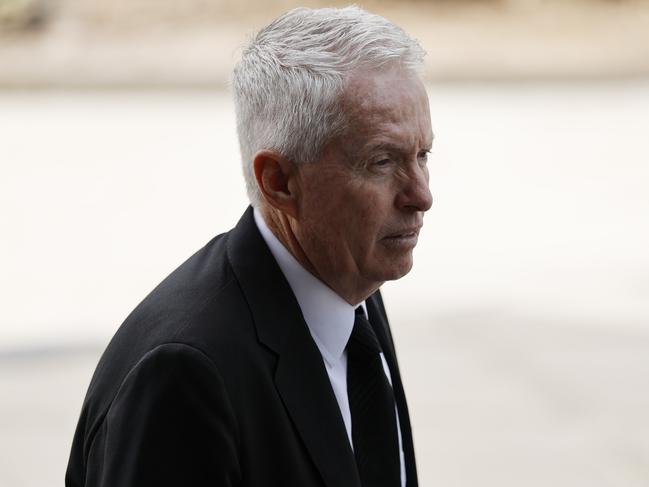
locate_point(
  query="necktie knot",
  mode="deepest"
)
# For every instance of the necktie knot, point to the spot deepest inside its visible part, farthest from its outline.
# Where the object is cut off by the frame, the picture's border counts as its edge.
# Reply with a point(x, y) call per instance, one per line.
point(363, 337)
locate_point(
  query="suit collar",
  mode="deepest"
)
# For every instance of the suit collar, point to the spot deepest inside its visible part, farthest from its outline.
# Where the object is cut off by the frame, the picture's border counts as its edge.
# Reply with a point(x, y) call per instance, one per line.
point(300, 376)
point(270, 300)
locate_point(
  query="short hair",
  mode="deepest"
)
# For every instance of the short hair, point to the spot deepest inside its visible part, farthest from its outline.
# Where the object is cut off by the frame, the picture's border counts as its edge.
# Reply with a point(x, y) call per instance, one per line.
point(288, 83)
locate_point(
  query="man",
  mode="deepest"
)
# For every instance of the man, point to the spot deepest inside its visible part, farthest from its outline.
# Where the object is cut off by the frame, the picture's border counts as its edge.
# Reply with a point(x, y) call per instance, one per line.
point(266, 359)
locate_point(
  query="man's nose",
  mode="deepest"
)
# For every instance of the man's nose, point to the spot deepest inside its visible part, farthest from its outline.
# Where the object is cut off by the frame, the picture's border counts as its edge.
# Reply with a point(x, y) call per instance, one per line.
point(415, 194)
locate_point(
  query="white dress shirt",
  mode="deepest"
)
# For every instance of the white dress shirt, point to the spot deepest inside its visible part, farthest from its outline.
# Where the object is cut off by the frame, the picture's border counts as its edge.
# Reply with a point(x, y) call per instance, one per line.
point(330, 320)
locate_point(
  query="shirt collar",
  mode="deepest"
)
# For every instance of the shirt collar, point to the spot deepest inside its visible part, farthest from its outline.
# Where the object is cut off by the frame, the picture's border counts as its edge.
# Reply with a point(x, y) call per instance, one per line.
point(329, 317)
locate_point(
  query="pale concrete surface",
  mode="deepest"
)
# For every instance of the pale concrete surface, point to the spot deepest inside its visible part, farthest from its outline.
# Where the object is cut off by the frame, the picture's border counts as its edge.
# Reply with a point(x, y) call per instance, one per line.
point(40, 399)
point(501, 400)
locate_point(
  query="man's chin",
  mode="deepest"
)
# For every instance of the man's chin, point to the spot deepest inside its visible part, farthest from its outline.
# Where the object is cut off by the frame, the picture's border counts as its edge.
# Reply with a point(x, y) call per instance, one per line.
point(397, 268)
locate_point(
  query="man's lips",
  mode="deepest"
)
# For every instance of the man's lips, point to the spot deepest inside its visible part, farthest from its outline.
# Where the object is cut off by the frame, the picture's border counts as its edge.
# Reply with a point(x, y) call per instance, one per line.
point(404, 233)
point(402, 240)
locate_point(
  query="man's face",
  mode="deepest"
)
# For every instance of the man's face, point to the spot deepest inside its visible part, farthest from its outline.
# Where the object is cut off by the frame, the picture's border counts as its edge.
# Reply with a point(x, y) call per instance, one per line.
point(362, 204)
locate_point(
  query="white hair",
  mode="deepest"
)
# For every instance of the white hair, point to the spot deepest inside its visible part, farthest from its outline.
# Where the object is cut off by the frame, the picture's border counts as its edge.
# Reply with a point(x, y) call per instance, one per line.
point(289, 80)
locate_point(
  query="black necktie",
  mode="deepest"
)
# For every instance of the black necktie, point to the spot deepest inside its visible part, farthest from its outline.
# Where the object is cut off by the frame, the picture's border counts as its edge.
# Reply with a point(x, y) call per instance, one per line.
point(371, 402)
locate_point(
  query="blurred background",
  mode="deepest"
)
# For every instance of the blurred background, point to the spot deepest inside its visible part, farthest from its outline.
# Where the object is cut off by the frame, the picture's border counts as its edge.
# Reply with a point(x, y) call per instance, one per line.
point(523, 330)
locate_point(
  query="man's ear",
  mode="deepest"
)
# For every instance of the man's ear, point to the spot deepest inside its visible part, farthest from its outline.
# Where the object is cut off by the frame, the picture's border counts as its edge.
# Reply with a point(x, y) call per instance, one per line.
point(275, 177)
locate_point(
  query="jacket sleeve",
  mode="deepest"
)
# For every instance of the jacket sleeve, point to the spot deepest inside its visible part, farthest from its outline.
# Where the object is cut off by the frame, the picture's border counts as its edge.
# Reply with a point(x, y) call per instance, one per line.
point(170, 424)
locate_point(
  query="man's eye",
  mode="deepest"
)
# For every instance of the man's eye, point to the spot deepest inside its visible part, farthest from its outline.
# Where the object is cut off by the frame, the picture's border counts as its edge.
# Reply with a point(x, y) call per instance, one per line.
point(423, 156)
point(381, 162)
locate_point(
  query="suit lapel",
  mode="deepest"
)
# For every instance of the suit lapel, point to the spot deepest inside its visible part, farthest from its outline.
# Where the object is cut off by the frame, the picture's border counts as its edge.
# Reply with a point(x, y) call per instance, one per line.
point(378, 320)
point(308, 396)
point(300, 377)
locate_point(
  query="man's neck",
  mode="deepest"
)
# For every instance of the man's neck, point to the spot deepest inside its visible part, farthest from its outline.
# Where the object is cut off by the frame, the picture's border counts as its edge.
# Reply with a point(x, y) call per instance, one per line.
point(348, 289)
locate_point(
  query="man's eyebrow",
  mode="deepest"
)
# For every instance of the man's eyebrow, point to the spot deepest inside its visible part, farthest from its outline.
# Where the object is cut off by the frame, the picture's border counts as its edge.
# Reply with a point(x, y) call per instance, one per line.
point(392, 147)
point(384, 146)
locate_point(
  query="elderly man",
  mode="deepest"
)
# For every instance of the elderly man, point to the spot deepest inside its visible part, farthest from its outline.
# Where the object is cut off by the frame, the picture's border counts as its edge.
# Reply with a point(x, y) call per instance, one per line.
point(266, 358)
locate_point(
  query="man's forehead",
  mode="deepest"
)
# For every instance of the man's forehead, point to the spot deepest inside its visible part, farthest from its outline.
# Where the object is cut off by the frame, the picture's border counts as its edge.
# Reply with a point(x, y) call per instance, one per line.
point(377, 90)
point(386, 101)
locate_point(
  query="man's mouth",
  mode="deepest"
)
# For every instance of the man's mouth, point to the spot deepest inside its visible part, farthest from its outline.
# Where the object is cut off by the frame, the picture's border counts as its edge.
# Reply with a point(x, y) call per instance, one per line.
point(406, 237)
point(406, 232)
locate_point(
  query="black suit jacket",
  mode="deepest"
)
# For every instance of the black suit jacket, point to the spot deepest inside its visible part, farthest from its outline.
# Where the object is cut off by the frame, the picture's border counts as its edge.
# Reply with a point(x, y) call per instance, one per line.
point(214, 380)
